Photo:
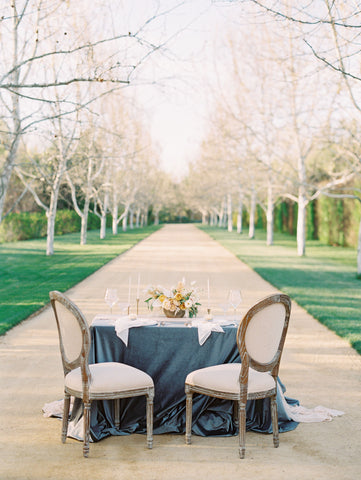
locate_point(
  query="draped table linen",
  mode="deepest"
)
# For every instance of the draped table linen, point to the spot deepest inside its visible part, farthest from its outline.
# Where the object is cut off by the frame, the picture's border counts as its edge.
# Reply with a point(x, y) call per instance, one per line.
point(168, 353)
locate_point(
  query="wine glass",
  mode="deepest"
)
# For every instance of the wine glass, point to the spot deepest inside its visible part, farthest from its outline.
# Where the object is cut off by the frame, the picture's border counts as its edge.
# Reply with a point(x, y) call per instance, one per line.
point(224, 307)
point(235, 298)
point(111, 297)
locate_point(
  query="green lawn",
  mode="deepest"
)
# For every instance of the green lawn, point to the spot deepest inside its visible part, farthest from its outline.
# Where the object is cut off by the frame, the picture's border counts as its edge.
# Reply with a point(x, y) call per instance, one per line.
point(27, 274)
point(323, 282)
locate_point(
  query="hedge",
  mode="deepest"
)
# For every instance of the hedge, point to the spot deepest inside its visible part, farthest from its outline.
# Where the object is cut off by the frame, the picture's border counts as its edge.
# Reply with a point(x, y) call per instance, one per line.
point(27, 225)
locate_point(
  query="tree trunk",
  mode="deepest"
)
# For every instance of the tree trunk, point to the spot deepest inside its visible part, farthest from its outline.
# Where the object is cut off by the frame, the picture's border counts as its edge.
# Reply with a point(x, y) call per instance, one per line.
point(137, 218)
point(239, 215)
point(270, 215)
point(156, 218)
point(252, 215)
point(125, 221)
point(229, 213)
point(51, 214)
point(115, 218)
point(103, 225)
point(84, 222)
point(221, 216)
point(359, 252)
point(103, 218)
point(301, 223)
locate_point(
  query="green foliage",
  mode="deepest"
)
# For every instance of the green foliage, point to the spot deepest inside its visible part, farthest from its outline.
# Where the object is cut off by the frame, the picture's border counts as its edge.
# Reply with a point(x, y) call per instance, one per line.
point(324, 282)
point(22, 226)
point(285, 220)
point(27, 225)
point(27, 274)
point(261, 221)
point(354, 218)
point(335, 220)
point(311, 222)
point(66, 221)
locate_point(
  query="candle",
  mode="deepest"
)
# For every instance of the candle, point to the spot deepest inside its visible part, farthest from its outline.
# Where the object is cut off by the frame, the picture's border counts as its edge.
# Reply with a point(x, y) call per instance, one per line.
point(138, 286)
point(208, 292)
point(130, 287)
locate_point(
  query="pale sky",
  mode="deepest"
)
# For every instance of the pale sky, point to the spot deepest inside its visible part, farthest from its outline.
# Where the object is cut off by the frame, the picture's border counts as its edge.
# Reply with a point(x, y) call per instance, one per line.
point(178, 109)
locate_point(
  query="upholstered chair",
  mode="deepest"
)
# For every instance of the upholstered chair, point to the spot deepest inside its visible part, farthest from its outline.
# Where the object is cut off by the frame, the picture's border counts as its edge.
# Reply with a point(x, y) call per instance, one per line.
point(260, 340)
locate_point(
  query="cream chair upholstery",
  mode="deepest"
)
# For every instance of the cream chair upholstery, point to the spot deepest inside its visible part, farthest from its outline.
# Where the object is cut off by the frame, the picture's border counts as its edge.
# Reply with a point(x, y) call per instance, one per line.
point(101, 381)
point(260, 340)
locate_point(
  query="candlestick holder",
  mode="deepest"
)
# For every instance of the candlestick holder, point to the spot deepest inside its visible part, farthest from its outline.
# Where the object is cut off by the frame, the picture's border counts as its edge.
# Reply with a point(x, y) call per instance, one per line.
point(137, 306)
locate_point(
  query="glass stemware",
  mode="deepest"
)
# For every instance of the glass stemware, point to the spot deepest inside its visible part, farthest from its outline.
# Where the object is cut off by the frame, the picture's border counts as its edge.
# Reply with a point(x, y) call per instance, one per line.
point(235, 298)
point(111, 297)
point(224, 307)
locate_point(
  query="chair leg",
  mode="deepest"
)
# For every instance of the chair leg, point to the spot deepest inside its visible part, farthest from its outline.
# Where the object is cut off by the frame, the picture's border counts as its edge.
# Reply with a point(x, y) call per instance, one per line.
point(117, 413)
point(274, 414)
point(150, 397)
point(189, 406)
point(86, 428)
point(242, 428)
point(235, 413)
point(64, 430)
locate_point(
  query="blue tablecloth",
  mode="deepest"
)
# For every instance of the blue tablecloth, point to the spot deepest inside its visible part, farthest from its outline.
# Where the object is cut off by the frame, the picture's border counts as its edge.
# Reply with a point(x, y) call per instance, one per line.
point(168, 354)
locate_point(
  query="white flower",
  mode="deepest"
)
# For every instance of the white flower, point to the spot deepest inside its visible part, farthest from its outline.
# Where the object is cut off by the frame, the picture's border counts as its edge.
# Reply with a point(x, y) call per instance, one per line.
point(167, 292)
point(166, 304)
point(157, 303)
point(188, 303)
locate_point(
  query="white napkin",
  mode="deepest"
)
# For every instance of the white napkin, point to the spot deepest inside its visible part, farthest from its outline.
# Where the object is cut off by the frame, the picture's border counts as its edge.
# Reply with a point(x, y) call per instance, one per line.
point(205, 329)
point(123, 324)
point(104, 319)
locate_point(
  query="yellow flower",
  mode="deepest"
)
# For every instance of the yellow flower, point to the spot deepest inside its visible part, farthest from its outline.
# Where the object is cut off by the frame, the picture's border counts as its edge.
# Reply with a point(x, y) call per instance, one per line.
point(178, 296)
point(162, 298)
point(182, 306)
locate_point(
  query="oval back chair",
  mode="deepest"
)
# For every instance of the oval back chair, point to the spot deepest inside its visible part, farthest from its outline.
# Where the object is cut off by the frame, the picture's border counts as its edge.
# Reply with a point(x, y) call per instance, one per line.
point(260, 340)
point(101, 381)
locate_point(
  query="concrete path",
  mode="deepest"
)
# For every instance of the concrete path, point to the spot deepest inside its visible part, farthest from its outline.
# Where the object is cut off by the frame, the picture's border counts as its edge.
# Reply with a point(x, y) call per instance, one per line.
point(318, 368)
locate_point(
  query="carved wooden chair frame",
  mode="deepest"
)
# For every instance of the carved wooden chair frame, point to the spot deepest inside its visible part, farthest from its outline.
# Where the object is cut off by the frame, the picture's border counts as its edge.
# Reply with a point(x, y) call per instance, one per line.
point(82, 362)
point(240, 398)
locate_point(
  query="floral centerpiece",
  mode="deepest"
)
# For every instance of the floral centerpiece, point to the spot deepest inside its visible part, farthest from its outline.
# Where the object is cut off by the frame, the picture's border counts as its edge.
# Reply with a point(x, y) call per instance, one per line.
point(176, 301)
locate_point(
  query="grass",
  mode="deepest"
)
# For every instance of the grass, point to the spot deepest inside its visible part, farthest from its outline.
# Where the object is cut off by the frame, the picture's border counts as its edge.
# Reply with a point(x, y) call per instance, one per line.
point(27, 274)
point(324, 282)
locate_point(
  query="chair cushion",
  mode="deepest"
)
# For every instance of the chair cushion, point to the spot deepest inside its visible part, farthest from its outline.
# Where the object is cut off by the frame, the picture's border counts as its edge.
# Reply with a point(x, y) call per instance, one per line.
point(225, 378)
point(109, 377)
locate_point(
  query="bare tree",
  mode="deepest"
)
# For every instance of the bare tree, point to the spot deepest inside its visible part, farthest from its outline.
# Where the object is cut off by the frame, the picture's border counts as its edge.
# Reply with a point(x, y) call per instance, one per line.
point(56, 36)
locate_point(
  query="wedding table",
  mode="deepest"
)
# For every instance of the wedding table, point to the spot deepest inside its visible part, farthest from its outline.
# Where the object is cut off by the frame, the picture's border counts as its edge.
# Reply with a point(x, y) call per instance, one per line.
point(168, 353)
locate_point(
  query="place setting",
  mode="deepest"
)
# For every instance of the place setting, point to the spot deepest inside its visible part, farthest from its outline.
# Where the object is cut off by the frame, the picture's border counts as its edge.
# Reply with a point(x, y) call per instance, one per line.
point(180, 306)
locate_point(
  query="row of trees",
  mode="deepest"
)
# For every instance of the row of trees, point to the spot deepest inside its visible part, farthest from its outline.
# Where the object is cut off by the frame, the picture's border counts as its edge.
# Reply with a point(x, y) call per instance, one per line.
point(62, 116)
point(284, 123)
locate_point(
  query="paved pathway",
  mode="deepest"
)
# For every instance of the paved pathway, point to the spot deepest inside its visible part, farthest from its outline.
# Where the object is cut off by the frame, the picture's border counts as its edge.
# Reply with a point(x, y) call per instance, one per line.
point(317, 368)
